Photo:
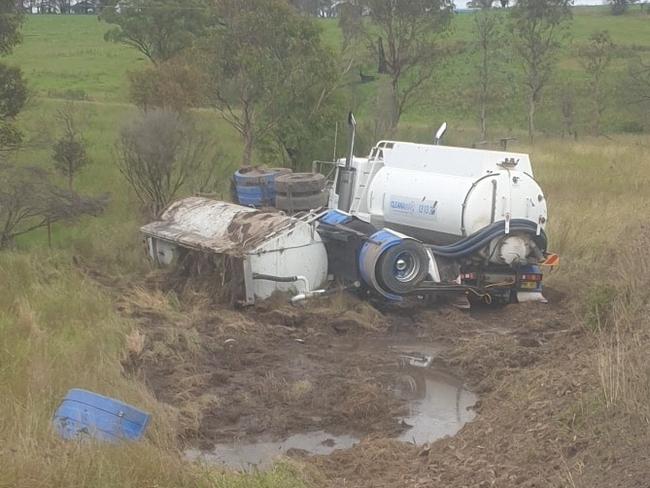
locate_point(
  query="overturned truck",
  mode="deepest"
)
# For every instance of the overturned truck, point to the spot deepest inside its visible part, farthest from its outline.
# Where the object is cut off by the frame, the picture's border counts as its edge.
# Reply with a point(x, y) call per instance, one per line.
point(410, 220)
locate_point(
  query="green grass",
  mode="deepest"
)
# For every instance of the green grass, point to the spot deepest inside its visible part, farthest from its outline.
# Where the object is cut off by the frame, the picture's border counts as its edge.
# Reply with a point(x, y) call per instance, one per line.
point(63, 54)
point(67, 56)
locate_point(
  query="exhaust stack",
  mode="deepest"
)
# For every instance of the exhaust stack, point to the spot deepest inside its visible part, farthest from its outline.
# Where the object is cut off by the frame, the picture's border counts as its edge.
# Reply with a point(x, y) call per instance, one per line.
point(345, 182)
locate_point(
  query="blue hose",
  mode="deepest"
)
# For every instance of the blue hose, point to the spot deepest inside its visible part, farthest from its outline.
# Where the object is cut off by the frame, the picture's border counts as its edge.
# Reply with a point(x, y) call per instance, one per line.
point(483, 237)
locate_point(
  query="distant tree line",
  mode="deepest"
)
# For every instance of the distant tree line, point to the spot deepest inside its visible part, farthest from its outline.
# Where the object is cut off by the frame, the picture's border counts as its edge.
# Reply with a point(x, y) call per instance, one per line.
point(61, 6)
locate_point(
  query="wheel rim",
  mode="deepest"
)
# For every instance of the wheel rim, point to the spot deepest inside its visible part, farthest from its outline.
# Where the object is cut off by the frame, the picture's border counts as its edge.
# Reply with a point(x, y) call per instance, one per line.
point(406, 267)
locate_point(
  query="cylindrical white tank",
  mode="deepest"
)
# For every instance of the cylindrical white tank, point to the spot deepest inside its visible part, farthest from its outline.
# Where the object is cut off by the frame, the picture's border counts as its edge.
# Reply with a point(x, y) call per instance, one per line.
point(443, 208)
point(264, 243)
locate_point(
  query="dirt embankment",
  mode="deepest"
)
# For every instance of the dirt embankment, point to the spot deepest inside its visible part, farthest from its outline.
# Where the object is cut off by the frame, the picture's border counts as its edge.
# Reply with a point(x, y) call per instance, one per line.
point(275, 370)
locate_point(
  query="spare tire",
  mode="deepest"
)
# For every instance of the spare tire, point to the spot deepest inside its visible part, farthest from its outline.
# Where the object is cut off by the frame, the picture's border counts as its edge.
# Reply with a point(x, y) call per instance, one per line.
point(298, 183)
point(293, 203)
point(403, 267)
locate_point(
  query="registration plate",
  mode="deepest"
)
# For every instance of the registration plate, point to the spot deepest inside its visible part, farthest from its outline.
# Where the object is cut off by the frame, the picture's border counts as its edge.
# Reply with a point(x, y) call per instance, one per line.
point(528, 285)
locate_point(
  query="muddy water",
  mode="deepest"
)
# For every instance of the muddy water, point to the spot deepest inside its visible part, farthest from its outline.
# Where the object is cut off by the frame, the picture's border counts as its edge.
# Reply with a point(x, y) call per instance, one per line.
point(261, 454)
point(438, 406)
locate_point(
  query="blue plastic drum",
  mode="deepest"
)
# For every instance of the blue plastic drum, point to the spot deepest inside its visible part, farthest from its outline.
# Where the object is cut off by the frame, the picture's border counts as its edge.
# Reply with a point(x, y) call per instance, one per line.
point(86, 414)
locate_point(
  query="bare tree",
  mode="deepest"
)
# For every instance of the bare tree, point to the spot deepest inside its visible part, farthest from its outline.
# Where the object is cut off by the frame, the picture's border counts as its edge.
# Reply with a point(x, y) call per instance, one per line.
point(538, 28)
point(488, 39)
point(567, 97)
point(410, 29)
point(69, 151)
point(161, 153)
point(595, 57)
point(29, 200)
point(639, 82)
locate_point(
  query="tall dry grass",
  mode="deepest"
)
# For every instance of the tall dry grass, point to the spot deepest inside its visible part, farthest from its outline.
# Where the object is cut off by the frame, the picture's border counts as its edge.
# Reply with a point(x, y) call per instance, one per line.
point(58, 331)
point(598, 192)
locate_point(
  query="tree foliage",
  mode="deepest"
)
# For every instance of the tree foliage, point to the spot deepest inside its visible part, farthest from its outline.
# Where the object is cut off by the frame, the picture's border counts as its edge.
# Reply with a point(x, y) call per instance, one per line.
point(159, 29)
point(13, 96)
point(69, 151)
point(161, 153)
point(11, 19)
point(176, 85)
point(410, 30)
point(269, 69)
point(538, 27)
point(13, 91)
point(13, 88)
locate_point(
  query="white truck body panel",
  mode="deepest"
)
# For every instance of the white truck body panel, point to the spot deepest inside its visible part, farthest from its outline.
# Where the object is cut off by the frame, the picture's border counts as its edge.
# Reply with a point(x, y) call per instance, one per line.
point(295, 252)
point(440, 194)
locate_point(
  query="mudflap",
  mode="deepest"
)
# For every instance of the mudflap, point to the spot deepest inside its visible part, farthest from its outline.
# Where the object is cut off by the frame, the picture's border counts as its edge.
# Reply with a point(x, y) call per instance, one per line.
point(531, 296)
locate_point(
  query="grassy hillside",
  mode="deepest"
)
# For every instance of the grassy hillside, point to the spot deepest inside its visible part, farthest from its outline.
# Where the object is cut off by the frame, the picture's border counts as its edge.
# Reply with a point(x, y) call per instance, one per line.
point(67, 57)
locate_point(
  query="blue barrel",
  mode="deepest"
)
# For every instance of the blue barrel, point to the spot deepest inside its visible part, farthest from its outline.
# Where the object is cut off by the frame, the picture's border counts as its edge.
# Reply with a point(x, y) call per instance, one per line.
point(255, 187)
point(86, 414)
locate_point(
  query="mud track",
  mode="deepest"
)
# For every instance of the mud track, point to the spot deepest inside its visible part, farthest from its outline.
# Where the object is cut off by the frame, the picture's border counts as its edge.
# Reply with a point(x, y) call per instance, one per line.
point(276, 370)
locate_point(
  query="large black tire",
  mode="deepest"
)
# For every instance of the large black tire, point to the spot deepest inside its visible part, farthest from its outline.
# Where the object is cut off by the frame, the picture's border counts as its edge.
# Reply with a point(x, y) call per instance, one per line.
point(301, 202)
point(299, 183)
point(402, 268)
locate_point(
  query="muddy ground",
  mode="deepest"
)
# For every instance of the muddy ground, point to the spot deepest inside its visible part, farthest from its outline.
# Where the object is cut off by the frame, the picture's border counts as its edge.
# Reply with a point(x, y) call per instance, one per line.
point(275, 370)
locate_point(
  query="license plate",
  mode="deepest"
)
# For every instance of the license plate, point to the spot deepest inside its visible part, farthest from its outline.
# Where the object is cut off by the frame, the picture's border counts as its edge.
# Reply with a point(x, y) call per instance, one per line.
point(528, 284)
point(499, 278)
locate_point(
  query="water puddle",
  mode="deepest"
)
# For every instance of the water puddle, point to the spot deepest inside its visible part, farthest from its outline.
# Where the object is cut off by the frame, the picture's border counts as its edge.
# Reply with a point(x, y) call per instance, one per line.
point(438, 407)
point(260, 455)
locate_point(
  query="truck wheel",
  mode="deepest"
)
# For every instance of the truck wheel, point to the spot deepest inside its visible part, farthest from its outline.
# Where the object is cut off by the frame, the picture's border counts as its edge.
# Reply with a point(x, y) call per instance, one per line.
point(403, 267)
point(301, 202)
point(299, 183)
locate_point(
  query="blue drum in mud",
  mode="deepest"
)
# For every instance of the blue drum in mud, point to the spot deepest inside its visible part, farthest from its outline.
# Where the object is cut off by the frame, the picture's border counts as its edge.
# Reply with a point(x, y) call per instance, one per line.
point(86, 414)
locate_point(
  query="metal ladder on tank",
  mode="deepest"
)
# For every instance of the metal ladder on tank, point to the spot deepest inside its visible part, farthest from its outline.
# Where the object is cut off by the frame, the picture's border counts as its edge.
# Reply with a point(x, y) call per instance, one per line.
point(364, 180)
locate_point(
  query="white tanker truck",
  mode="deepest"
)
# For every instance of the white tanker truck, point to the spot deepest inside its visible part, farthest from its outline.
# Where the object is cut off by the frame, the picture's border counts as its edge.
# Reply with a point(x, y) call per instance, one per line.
point(409, 220)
